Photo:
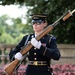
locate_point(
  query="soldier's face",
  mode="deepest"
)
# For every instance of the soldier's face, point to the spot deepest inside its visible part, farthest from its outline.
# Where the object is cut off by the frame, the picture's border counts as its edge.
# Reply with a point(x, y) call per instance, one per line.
point(38, 27)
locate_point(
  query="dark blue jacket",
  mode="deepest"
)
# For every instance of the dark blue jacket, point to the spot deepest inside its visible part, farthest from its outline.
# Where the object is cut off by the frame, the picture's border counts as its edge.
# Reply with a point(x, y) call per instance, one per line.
point(47, 52)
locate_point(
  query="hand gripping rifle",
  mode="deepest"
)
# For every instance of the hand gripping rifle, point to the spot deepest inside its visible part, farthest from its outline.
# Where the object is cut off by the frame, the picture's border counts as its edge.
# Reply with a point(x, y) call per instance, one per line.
point(10, 68)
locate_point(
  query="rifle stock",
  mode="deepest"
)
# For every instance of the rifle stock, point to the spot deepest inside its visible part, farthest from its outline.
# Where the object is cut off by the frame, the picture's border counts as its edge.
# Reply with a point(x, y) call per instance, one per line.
point(10, 68)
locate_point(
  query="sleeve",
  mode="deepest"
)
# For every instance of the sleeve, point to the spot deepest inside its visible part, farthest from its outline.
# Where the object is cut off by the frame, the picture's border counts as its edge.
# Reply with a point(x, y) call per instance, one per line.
point(52, 51)
point(17, 49)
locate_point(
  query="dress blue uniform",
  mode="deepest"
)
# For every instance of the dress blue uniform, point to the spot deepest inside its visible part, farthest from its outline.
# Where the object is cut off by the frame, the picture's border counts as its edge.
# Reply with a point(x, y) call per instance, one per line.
point(47, 52)
point(39, 59)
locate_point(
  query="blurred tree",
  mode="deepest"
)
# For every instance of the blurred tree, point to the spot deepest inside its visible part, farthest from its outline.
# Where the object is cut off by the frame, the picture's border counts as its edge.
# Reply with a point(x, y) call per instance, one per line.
point(65, 30)
point(14, 32)
point(2, 24)
point(55, 8)
point(6, 38)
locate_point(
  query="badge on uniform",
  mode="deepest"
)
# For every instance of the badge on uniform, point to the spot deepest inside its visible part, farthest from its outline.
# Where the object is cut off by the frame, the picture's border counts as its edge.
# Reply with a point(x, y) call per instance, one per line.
point(44, 44)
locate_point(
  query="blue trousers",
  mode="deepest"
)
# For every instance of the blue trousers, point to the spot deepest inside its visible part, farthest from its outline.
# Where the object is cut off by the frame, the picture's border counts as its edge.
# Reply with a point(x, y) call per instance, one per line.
point(37, 70)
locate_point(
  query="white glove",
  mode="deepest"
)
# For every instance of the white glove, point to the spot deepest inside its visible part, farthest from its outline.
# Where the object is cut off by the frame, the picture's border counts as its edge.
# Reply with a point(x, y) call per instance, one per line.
point(18, 56)
point(36, 43)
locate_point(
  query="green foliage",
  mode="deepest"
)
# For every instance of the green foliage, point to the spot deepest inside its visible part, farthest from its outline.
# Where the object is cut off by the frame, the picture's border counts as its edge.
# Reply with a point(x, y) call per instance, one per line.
point(55, 8)
point(12, 34)
point(64, 32)
point(1, 30)
point(6, 38)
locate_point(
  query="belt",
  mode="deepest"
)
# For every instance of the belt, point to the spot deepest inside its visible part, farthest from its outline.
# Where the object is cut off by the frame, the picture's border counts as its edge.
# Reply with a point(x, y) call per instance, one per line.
point(38, 63)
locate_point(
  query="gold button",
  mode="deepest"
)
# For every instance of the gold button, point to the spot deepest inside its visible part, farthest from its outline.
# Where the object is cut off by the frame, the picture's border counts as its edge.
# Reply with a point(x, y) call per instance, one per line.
point(35, 58)
point(34, 53)
point(48, 70)
point(35, 48)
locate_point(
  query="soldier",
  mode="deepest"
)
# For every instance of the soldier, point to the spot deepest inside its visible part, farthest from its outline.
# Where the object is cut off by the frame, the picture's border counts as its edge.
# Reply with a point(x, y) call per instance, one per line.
point(42, 51)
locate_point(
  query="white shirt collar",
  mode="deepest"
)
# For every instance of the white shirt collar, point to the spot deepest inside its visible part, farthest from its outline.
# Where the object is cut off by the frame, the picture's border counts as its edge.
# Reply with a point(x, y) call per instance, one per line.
point(35, 35)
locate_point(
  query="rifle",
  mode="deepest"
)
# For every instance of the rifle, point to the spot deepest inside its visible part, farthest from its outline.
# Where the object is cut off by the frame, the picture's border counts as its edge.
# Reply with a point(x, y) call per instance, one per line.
point(10, 68)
